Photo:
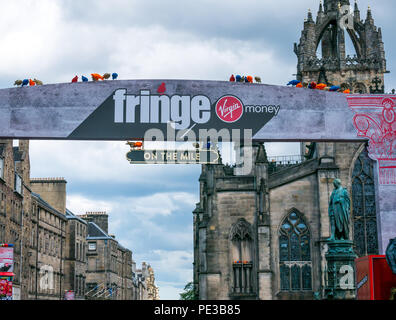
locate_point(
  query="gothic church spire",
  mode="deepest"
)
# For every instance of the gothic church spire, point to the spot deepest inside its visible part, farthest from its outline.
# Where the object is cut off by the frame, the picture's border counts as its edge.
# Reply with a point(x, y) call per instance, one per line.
point(321, 52)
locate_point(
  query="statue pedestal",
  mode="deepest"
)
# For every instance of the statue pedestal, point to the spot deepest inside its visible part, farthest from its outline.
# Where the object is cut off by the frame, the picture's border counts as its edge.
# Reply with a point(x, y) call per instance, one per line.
point(340, 273)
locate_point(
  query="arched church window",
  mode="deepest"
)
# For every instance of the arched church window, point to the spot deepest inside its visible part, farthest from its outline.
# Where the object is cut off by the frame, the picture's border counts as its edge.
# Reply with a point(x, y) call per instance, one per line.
point(241, 237)
point(295, 262)
point(364, 207)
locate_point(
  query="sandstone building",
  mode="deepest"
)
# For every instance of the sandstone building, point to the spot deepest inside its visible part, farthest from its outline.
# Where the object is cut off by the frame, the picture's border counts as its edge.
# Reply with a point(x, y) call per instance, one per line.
point(53, 246)
point(263, 235)
point(153, 292)
point(15, 209)
point(47, 251)
point(109, 272)
point(145, 283)
point(57, 232)
point(76, 255)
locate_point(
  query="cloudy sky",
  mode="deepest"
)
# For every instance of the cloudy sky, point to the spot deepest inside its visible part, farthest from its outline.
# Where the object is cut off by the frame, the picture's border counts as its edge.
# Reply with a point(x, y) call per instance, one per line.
point(150, 206)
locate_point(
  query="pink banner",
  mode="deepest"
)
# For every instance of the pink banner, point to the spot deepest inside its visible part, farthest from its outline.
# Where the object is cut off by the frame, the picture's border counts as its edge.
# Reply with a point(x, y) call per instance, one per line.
point(6, 259)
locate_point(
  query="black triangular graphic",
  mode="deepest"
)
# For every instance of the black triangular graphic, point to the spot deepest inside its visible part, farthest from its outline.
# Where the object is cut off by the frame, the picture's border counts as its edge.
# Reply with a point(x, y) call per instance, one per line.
point(100, 125)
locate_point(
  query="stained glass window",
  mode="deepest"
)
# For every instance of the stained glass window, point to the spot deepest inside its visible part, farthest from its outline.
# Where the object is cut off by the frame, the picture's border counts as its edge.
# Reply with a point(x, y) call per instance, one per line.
point(307, 277)
point(305, 248)
point(296, 277)
point(283, 248)
point(364, 207)
point(285, 277)
point(295, 254)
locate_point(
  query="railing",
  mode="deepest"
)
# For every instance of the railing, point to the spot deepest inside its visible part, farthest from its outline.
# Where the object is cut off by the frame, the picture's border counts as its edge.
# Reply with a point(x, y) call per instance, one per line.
point(330, 63)
point(101, 292)
point(286, 160)
point(281, 162)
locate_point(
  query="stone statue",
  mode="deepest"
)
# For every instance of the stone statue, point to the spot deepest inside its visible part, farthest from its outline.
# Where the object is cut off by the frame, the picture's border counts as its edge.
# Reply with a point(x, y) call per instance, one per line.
point(391, 254)
point(339, 212)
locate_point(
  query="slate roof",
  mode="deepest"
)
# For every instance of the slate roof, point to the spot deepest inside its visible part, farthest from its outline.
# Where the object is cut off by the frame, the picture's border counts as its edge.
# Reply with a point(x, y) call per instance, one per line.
point(95, 232)
point(71, 216)
point(123, 248)
point(47, 205)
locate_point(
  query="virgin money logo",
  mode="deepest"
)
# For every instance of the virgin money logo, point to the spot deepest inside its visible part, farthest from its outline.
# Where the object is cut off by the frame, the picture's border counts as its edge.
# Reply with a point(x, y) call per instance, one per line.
point(229, 109)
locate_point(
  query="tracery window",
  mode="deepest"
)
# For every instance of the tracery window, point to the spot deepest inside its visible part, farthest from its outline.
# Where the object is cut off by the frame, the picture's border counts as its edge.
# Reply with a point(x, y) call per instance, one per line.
point(242, 239)
point(364, 207)
point(295, 262)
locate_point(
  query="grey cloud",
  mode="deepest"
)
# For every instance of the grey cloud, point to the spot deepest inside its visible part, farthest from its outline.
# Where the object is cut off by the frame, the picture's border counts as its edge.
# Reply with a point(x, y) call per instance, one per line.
point(266, 25)
point(101, 28)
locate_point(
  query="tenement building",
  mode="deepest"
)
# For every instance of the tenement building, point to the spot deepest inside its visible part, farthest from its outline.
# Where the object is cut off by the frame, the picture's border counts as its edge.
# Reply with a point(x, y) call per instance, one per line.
point(15, 209)
point(47, 251)
point(109, 272)
point(76, 255)
point(56, 251)
point(263, 235)
point(153, 292)
point(53, 237)
point(145, 288)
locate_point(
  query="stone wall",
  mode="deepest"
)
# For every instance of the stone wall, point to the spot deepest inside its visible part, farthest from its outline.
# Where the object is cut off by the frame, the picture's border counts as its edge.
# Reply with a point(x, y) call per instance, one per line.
point(52, 190)
point(99, 218)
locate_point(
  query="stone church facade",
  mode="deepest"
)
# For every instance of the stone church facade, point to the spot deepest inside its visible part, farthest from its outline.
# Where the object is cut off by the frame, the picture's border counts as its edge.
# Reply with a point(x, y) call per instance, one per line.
point(263, 235)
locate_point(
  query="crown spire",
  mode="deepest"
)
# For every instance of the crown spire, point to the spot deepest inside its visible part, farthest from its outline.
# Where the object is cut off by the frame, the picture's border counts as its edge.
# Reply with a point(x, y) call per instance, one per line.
point(326, 37)
point(334, 5)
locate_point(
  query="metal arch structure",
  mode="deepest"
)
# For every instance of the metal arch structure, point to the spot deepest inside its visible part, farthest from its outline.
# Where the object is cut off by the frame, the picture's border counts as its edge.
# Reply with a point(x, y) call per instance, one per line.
point(127, 109)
